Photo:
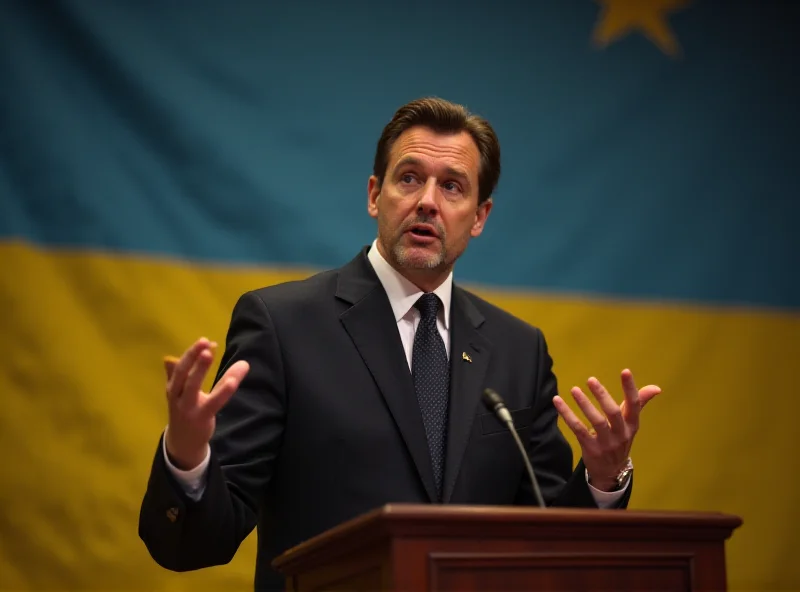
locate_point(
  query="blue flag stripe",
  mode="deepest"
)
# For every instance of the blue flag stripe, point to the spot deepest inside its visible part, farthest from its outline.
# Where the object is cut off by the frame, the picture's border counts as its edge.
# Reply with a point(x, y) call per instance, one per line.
point(245, 134)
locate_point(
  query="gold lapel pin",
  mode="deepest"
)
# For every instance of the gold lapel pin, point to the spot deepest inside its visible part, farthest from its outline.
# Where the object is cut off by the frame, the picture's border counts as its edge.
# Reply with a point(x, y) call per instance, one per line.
point(465, 356)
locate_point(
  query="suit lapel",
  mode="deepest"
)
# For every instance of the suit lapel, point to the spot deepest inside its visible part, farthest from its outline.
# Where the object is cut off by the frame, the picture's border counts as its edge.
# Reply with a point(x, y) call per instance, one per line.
point(370, 324)
point(469, 359)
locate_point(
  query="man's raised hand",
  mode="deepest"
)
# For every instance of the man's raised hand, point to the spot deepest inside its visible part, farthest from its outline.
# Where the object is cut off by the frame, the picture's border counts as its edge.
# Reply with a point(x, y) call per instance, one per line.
point(192, 412)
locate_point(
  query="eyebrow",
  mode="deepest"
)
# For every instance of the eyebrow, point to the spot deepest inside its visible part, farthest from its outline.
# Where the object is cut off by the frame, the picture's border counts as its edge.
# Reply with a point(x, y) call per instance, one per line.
point(451, 171)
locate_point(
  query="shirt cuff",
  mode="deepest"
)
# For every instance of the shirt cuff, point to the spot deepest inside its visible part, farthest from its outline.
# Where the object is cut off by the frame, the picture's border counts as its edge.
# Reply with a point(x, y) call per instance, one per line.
point(606, 499)
point(193, 480)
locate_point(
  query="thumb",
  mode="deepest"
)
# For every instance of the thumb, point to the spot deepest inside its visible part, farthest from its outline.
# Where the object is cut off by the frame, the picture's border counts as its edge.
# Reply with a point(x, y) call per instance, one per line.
point(226, 387)
point(646, 394)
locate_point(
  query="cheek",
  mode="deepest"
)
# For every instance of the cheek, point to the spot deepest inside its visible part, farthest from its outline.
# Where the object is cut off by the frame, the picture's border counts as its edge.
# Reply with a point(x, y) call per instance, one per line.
point(460, 227)
point(390, 215)
point(398, 209)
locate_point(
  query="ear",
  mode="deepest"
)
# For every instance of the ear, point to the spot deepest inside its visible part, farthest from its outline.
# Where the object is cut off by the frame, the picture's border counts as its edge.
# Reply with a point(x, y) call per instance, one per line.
point(480, 217)
point(373, 193)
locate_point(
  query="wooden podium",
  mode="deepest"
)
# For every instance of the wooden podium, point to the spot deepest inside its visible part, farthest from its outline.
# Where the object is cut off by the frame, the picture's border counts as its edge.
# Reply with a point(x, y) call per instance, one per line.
point(428, 547)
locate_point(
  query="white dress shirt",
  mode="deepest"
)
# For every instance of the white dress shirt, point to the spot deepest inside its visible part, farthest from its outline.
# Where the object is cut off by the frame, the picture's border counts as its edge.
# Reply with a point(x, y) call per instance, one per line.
point(402, 297)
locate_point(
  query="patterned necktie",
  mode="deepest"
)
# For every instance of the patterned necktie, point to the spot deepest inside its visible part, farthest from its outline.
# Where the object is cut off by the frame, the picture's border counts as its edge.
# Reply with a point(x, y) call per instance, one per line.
point(431, 374)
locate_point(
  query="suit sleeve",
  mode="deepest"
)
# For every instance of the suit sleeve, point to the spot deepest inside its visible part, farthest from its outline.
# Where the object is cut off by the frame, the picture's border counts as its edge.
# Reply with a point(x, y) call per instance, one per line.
point(550, 453)
point(182, 534)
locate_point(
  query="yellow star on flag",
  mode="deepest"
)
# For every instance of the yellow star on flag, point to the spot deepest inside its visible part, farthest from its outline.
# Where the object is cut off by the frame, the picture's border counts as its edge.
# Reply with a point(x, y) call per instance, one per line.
point(618, 18)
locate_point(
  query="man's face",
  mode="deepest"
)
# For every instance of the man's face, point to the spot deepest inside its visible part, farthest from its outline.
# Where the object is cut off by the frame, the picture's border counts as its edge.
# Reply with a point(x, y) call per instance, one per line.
point(427, 208)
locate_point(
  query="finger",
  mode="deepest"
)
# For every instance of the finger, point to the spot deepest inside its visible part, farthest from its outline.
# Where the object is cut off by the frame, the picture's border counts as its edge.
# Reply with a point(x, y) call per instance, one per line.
point(573, 422)
point(226, 387)
point(193, 386)
point(184, 365)
point(236, 373)
point(169, 365)
point(597, 419)
point(632, 407)
point(608, 405)
point(647, 393)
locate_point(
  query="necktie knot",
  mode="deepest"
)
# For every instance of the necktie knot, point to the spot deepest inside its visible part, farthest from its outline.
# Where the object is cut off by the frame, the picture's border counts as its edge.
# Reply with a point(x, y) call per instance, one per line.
point(428, 306)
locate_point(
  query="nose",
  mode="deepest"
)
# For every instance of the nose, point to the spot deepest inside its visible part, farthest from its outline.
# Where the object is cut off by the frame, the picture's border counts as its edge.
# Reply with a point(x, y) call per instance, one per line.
point(427, 200)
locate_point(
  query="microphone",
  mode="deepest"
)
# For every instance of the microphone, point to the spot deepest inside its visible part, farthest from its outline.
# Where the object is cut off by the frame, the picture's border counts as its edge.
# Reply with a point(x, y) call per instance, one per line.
point(497, 406)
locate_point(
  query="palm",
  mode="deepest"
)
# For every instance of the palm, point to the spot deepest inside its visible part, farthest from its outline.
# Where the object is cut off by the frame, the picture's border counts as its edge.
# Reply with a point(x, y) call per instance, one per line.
point(607, 444)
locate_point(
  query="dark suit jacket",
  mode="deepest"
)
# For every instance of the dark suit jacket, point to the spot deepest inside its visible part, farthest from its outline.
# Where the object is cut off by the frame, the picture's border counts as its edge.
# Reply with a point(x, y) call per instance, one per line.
point(326, 425)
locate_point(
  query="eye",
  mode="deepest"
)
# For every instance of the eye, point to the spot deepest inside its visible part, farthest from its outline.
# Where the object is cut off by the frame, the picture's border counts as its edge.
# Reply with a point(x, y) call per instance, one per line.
point(451, 186)
point(407, 178)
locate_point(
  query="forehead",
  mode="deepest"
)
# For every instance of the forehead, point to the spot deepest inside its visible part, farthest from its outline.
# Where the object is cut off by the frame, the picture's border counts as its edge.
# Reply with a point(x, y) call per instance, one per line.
point(437, 149)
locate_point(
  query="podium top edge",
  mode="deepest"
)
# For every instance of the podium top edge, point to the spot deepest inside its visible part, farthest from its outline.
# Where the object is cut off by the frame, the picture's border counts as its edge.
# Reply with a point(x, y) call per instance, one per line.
point(402, 520)
point(480, 513)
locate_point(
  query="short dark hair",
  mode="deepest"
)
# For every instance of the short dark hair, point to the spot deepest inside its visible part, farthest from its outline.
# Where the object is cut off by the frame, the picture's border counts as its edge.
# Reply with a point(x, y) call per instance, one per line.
point(442, 116)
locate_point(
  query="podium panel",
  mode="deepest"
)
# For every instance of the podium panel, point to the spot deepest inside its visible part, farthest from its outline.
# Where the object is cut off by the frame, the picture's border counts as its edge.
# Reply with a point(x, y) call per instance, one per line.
point(559, 572)
point(409, 547)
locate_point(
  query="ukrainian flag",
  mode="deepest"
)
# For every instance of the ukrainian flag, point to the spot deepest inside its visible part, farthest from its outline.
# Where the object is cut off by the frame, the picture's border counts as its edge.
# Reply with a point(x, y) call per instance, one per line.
point(154, 164)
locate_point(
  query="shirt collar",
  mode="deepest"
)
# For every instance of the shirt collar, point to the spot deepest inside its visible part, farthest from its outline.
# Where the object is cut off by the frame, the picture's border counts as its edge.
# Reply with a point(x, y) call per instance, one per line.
point(401, 292)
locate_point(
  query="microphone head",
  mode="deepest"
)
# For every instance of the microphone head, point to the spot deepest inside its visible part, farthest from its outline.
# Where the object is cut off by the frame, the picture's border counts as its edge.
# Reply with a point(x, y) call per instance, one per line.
point(492, 400)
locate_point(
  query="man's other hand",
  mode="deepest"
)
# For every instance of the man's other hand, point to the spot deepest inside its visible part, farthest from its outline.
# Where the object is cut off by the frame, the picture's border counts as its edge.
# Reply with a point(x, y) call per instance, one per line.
point(606, 446)
point(192, 412)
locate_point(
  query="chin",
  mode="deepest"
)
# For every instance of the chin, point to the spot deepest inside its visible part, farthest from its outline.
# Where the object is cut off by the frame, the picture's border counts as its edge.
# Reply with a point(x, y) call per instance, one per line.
point(417, 258)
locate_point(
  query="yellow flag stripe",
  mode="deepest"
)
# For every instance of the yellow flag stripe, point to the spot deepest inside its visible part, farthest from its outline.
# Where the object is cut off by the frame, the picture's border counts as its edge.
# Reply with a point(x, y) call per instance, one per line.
point(82, 378)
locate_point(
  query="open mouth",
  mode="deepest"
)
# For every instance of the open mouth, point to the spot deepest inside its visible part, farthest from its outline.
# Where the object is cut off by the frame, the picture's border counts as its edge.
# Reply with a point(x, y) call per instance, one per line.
point(423, 231)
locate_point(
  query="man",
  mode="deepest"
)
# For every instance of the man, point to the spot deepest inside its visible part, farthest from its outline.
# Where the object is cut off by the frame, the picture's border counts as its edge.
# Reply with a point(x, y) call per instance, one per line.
point(362, 385)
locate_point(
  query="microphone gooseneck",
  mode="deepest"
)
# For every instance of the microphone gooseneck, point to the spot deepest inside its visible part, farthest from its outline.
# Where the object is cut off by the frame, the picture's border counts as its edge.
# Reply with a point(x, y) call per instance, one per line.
point(494, 402)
